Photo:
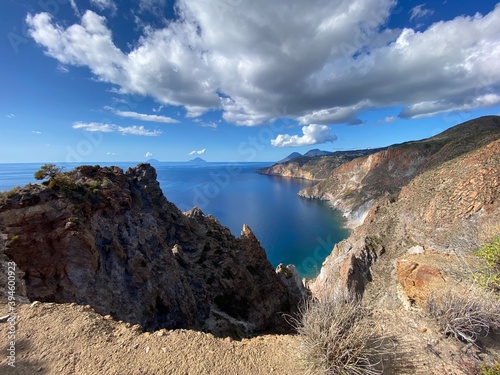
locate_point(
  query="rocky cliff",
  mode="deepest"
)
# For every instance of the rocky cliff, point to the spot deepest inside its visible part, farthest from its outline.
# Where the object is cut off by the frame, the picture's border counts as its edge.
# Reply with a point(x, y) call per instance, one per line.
point(438, 198)
point(111, 240)
point(313, 167)
point(355, 186)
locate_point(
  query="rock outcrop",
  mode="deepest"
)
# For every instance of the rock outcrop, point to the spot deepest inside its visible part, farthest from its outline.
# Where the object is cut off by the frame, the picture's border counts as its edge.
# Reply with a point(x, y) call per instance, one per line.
point(111, 240)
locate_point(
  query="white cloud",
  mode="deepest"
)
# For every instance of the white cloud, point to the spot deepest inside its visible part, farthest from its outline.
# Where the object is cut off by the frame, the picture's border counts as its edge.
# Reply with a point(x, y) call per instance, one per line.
point(75, 8)
point(389, 119)
point(200, 152)
point(209, 124)
point(36, 132)
point(148, 155)
point(11, 115)
point(62, 69)
point(95, 127)
point(419, 11)
point(325, 62)
point(159, 108)
point(426, 109)
point(112, 128)
point(138, 130)
point(111, 153)
point(144, 117)
point(313, 134)
point(153, 6)
point(104, 4)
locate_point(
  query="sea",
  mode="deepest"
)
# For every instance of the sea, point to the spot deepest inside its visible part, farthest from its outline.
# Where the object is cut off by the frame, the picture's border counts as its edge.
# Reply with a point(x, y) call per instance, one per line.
point(292, 229)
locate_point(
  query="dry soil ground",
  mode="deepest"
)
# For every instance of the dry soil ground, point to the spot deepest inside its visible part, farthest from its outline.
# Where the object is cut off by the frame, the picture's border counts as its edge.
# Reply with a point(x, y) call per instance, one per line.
point(72, 339)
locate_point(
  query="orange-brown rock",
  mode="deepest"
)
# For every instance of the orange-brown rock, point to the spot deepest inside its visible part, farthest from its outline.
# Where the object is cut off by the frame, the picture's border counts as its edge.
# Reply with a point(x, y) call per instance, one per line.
point(418, 280)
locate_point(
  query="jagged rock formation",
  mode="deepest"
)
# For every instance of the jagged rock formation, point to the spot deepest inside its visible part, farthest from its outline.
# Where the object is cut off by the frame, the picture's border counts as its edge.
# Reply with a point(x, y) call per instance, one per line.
point(111, 240)
point(436, 196)
point(313, 167)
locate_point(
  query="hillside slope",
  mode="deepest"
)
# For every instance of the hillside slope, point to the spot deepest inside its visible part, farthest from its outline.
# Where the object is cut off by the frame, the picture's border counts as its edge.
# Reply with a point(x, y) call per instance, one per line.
point(430, 205)
point(355, 186)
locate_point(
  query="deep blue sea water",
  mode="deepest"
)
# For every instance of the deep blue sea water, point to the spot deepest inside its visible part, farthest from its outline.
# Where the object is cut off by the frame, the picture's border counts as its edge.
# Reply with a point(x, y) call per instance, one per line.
point(291, 229)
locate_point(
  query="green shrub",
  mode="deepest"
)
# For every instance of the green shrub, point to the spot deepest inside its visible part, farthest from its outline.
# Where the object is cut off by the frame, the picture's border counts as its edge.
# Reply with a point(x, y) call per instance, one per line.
point(465, 313)
point(489, 274)
point(94, 184)
point(63, 182)
point(491, 370)
point(74, 220)
point(107, 183)
point(337, 336)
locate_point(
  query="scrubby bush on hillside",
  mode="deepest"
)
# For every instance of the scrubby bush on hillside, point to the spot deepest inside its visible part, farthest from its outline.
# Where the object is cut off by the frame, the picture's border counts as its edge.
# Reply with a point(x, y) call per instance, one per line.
point(489, 275)
point(337, 336)
point(465, 313)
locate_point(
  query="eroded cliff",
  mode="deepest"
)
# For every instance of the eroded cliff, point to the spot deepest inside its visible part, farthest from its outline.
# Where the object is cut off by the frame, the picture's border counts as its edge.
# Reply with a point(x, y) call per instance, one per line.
point(437, 196)
point(110, 239)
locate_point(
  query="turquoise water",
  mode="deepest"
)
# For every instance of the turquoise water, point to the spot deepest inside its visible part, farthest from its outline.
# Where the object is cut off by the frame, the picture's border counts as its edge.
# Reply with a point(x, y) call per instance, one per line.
point(291, 229)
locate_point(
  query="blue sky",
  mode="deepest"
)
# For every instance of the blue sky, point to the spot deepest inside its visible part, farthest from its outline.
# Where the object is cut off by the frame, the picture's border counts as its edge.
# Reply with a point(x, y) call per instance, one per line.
point(238, 80)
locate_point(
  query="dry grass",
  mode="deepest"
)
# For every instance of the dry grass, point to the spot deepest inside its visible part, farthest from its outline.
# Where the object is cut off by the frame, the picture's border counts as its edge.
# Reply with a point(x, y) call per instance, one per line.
point(337, 336)
point(466, 313)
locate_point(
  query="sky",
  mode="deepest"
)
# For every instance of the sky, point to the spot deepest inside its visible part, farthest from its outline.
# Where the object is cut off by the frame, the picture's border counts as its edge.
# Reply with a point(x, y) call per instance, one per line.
point(238, 80)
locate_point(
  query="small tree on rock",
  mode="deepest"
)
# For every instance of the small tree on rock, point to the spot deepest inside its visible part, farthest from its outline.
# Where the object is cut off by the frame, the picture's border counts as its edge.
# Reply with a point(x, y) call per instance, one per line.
point(48, 172)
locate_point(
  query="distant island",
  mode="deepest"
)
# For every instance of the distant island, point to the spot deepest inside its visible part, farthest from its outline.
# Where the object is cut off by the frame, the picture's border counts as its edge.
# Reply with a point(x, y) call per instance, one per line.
point(197, 161)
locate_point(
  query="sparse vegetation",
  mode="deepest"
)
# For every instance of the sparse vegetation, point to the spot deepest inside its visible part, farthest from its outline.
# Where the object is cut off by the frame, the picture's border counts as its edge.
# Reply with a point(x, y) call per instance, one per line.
point(465, 313)
point(4, 195)
point(491, 370)
point(488, 276)
point(337, 336)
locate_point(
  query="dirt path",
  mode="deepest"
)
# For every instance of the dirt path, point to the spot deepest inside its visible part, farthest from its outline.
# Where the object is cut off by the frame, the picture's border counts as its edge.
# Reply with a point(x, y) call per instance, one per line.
point(72, 339)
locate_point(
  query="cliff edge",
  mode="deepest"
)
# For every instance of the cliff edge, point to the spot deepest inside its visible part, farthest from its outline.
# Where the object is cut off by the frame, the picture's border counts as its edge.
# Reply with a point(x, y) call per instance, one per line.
point(101, 237)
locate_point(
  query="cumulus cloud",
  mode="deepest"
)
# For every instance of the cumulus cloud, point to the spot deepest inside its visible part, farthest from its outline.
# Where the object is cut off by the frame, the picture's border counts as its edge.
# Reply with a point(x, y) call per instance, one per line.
point(144, 117)
point(419, 11)
point(148, 154)
point(325, 62)
point(112, 128)
point(313, 134)
point(200, 152)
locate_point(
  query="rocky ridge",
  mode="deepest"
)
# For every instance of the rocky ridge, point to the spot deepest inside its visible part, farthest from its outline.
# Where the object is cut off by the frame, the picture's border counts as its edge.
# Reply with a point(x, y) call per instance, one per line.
point(354, 187)
point(111, 240)
point(315, 168)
